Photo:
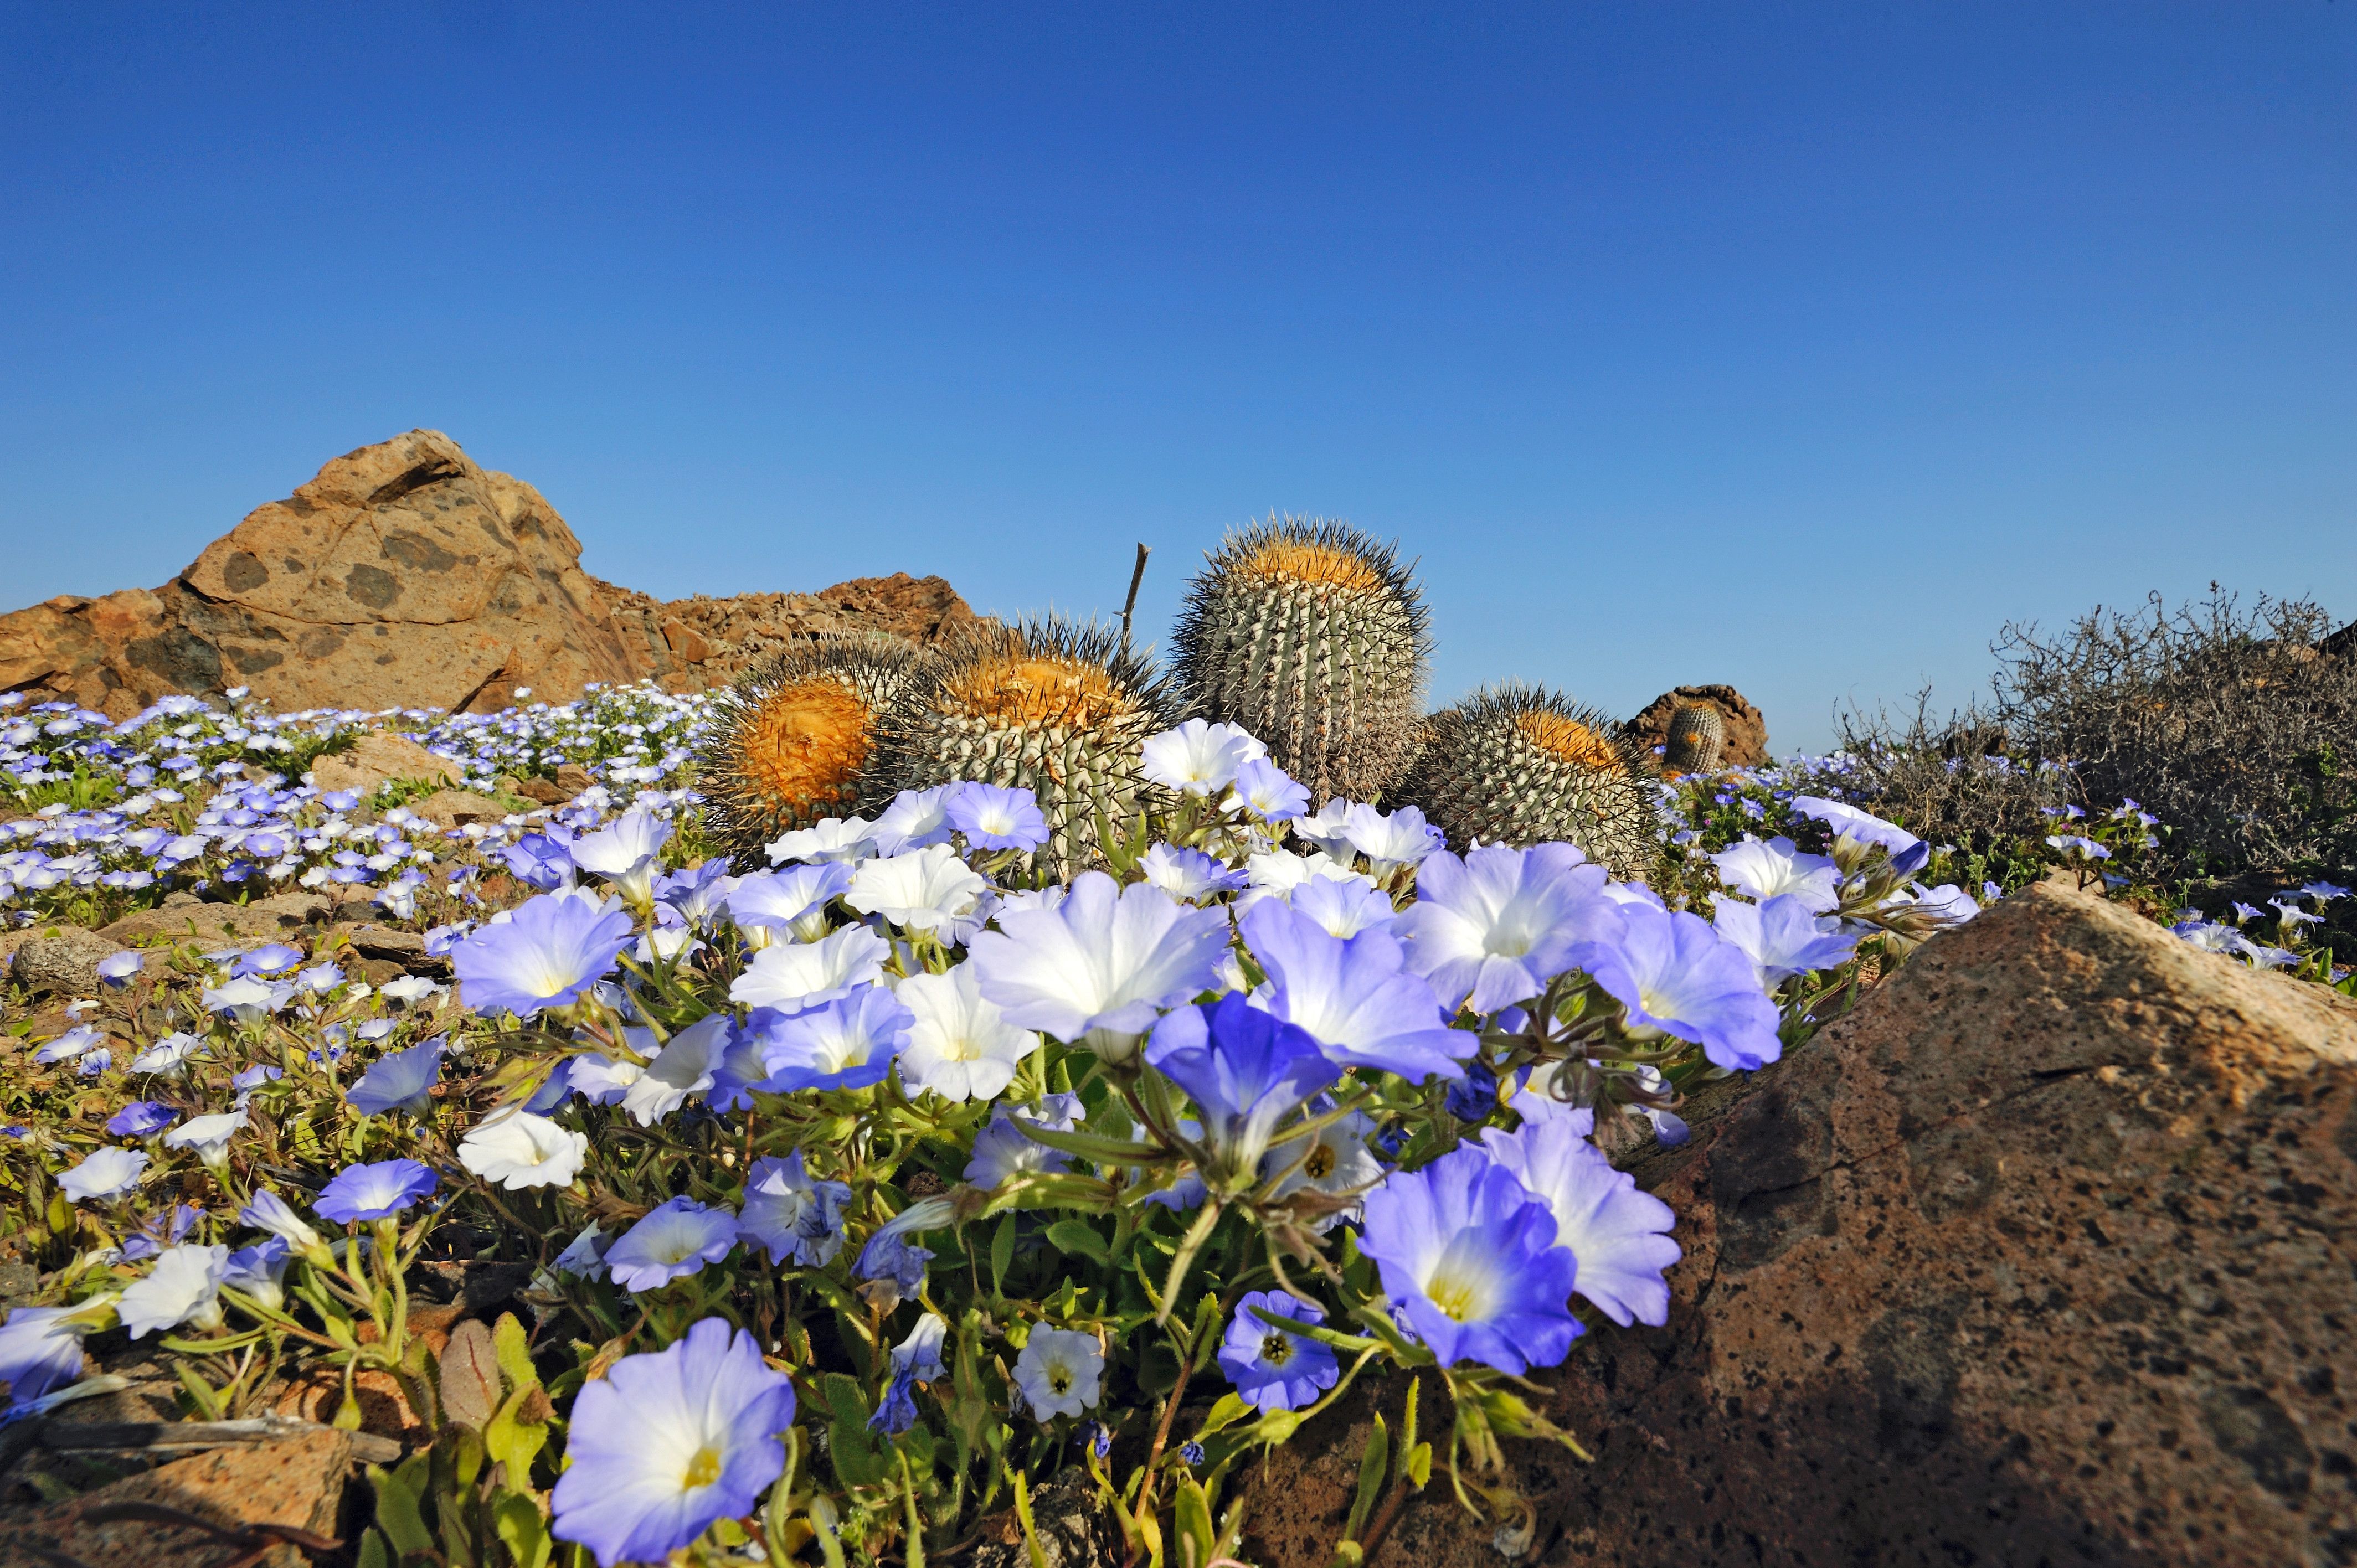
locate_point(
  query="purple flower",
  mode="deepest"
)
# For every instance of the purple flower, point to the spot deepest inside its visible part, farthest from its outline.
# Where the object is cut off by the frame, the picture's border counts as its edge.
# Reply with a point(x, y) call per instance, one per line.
point(670, 1244)
point(1469, 1257)
point(889, 1254)
point(542, 860)
point(1673, 972)
point(1102, 965)
point(375, 1191)
point(275, 959)
point(1355, 998)
point(402, 1081)
point(1245, 1071)
point(665, 1444)
point(848, 1043)
point(142, 1119)
point(1272, 1369)
point(1618, 1236)
point(995, 817)
point(551, 950)
point(40, 1349)
point(1496, 926)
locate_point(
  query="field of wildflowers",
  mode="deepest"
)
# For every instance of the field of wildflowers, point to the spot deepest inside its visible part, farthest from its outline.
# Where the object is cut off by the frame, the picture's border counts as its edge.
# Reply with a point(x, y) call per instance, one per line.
point(857, 1193)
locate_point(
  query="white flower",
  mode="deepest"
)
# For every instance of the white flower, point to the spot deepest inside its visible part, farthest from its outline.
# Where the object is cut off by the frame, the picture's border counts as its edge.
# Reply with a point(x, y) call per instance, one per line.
point(1198, 757)
point(1401, 838)
point(521, 1150)
point(625, 853)
point(915, 819)
point(1102, 965)
point(929, 890)
point(1338, 1161)
point(107, 1172)
point(250, 999)
point(834, 838)
point(1617, 1235)
point(412, 988)
point(1766, 870)
point(170, 1053)
point(808, 974)
point(681, 1068)
point(208, 1135)
point(183, 1287)
point(1329, 830)
point(959, 1046)
point(1058, 1371)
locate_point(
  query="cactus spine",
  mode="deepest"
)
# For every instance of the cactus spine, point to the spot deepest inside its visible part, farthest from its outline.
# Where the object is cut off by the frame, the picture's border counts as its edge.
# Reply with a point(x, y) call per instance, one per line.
point(1055, 708)
point(1522, 765)
point(1312, 636)
point(1697, 734)
point(794, 740)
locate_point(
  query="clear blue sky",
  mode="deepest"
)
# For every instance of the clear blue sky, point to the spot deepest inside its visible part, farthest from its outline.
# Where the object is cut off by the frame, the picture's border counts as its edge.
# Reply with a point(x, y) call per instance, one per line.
point(1793, 346)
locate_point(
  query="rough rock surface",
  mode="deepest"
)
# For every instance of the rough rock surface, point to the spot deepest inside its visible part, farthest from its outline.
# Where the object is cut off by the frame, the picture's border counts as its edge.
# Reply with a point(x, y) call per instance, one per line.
point(297, 1481)
point(2043, 1256)
point(61, 961)
point(407, 575)
point(378, 759)
point(1746, 732)
point(280, 915)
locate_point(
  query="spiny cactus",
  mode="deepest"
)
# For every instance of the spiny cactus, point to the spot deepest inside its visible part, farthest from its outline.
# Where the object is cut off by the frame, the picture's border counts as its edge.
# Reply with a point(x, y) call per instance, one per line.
point(1521, 765)
point(1697, 734)
point(1056, 708)
point(1312, 636)
point(794, 740)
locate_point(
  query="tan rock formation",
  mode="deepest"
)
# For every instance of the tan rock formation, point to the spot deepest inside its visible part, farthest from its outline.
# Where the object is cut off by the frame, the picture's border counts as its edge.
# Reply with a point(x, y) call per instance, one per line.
point(407, 575)
point(1746, 732)
point(2043, 1255)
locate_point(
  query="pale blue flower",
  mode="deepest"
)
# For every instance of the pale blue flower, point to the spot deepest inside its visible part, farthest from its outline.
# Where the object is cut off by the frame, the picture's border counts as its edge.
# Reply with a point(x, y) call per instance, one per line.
point(103, 1173)
point(1781, 937)
point(1355, 998)
point(1246, 1071)
point(889, 1254)
point(848, 1043)
point(40, 1349)
point(1100, 966)
point(791, 900)
point(1496, 926)
point(795, 1217)
point(1272, 1367)
point(1467, 1256)
point(268, 1211)
point(1002, 1151)
point(1848, 822)
point(1198, 757)
point(375, 1191)
point(117, 968)
point(1059, 1372)
point(183, 1287)
point(1777, 869)
point(1671, 972)
point(797, 976)
point(994, 816)
point(915, 819)
point(1617, 1235)
point(1401, 838)
point(1342, 908)
point(1266, 791)
point(1187, 874)
point(403, 1081)
point(258, 1272)
point(673, 1241)
point(142, 1119)
point(550, 950)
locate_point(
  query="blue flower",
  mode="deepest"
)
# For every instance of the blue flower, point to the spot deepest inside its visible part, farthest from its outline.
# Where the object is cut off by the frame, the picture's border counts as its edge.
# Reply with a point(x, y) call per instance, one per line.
point(375, 1191)
point(666, 1444)
point(916, 818)
point(1059, 1372)
point(274, 959)
point(916, 1359)
point(1474, 1096)
point(140, 1119)
point(1356, 997)
point(796, 1216)
point(1673, 973)
point(1272, 1369)
point(1245, 1071)
point(40, 1349)
point(1100, 966)
point(889, 1254)
point(1002, 1150)
point(402, 1081)
point(995, 817)
point(848, 1043)
point(546, 956)
point(1618, 1236)
point(672, 1242)
point(1265, 789)
point(1467, 1256)
point(1191, 1453)
point(1496, 926)
point(258, 1270)
point(543, 860)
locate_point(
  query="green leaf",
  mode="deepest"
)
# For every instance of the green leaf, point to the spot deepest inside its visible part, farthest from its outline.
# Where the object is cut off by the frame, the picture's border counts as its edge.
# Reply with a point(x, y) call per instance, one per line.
point(1372, 1465)
point(374, 1552)
point(515, 1352)
point(518, 1432)
point(1023, 1513)
point(1225, 1413)
point(522, 1530)
point(398, 1493)
point(1103, 1151)
point(1197, 1540)
point(1080, 1236)
point(1002, 1253)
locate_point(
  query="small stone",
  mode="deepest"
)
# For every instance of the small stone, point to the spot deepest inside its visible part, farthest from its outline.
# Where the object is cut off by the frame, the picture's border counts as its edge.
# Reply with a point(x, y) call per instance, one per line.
point(62, 961)
point(377, 760)
point(449, 808)
point(297, 1481)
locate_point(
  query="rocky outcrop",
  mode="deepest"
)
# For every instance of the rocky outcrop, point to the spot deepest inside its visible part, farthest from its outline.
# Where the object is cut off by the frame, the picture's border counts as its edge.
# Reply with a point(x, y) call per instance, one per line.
point(1747, 732)
point(2044, 1254)
point(407, 575)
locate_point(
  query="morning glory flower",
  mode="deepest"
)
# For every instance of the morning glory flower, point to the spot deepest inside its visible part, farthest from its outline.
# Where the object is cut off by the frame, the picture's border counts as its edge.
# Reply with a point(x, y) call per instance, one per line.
point(403, 1081)
point(958, 1045)
point(834, 838)
point(848, 1043)
point(1773, 869)
point(410, 988)
point(1002, 1151)
point(166, 1054)
point(1246, 1071)
point(274, 959)
point(625, 855)
point(915, 819)
point(2216, 937)
point(142, 1119)
point(1058, 1372)
point(687, 1066)
point(1198, 757)
point(802, 975)
point(1781, 937)
point(916, 1359)
point(795, 1217)
point(929, 890)
point(1861, 827)
point(889, 1254)
point(1343, 908)
point(1355, 998)
point(2291, 916)
point(257, 1270)
point(699, 895)
point(791, 900)
point(1266, 791)
point(2323, 892)
point(208, 1135)
point(70, 1044)
point(269, 1212)
point(550, 950)
point(1402, 838)
point(317, 978)
point(117, 968)
point(584, 1257)
point(667, 1443)
point(1272, 1369)
point(1950, 904)
point(1618, 1236)
point(1469, 1257)
point(1187, 874)
point(521, 1150)
point(1497, 924)
point(542, 860)
point(670, 1244)
point(994, 816)
point(250, 1000)
point(1335, 1160)
point(105, 1174)
point(1100, 967)
point(40, 1349)
point(1673, 972)
point(183, 1287)
point(375, 1191)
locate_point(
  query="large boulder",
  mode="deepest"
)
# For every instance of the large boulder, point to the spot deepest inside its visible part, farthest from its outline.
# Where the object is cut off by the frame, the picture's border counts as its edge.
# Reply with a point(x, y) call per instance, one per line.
point(1747, 732)
point(405, 574)
point(2043, 1255)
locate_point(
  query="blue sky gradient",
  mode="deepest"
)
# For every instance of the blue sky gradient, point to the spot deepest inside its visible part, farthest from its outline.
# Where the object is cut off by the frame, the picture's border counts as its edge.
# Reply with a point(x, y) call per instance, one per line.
point(1798, 346)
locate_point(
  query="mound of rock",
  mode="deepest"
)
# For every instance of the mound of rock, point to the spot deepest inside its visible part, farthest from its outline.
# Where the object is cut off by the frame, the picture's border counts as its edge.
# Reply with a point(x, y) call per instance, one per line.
point(1747, 732)
point(407, 575)
point(2043, 1255)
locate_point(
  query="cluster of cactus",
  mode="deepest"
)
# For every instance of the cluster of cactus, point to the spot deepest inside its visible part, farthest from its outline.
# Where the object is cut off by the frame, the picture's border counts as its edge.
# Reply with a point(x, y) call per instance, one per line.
point(1307, 634)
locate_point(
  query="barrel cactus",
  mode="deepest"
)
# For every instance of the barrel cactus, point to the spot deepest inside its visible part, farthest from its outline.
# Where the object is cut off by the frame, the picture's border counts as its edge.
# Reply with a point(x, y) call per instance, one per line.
point(794, 740)
point(1697, 735)
point(1522, 765)
point(1057, 708)
point(1312, 636)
